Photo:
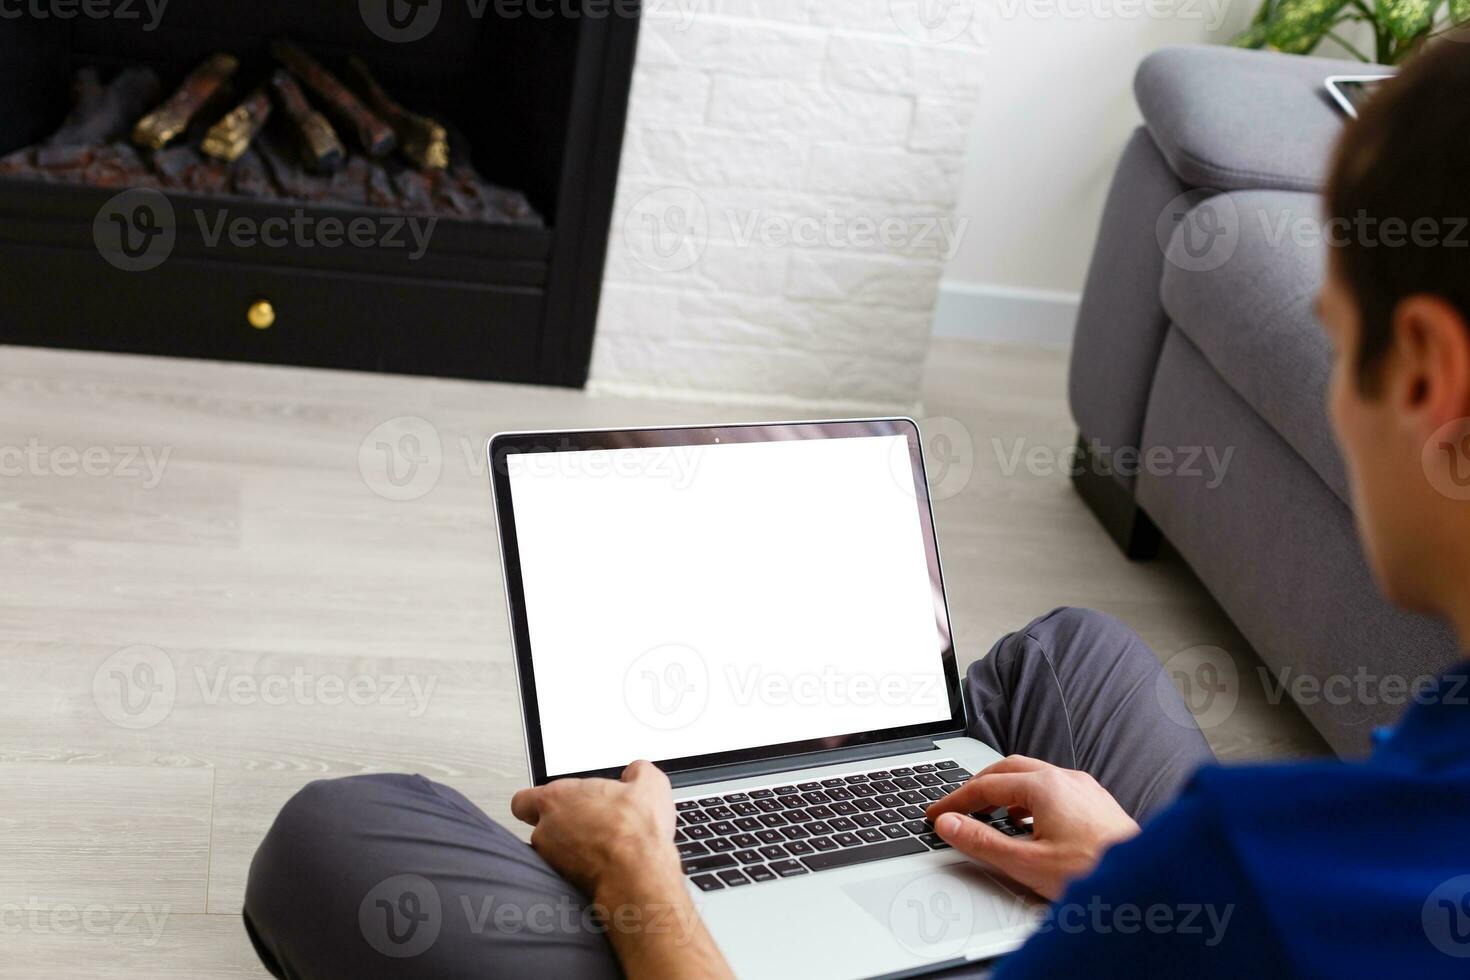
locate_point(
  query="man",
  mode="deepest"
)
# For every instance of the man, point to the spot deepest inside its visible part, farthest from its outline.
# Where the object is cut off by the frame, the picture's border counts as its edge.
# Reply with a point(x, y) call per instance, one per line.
point(1322, 868)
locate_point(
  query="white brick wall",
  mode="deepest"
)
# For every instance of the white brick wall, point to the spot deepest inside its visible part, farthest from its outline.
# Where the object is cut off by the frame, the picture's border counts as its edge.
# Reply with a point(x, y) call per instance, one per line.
point(786, 204)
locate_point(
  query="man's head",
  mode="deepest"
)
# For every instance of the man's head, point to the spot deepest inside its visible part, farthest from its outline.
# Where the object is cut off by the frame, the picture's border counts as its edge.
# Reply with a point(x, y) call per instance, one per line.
point(1396, 306)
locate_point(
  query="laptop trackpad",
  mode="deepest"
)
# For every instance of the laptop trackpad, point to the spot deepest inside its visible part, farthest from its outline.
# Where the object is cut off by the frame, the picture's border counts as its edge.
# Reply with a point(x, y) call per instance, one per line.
point(937, 913)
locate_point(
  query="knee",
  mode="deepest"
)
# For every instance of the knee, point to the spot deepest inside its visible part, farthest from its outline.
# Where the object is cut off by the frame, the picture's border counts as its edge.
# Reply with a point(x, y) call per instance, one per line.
point(312, 833)
point(324, 799)
point(1069, 635)
point(318, 811)
point(309, 873)
point(1073, 620)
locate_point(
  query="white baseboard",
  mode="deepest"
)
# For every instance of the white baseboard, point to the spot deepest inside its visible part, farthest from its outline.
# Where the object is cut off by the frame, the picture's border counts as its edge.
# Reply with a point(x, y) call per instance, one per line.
point(1010, 314)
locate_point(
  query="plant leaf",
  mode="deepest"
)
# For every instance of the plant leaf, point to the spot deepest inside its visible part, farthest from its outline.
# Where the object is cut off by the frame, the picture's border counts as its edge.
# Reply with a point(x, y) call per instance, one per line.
point(1299, 25)
point(1460, 13)
point(1255, 35)
point(1407, 19)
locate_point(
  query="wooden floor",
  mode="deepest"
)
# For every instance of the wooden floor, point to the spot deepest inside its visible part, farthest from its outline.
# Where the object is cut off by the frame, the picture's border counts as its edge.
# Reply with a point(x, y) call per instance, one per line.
point(264, 572)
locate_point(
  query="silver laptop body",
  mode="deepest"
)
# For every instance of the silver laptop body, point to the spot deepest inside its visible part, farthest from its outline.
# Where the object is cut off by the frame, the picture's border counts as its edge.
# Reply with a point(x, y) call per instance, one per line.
point(760, 610)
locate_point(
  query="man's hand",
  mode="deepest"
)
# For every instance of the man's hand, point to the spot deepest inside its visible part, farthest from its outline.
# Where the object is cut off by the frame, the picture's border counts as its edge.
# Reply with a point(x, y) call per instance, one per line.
point(614, 839)
point(1076, 820)
point(595, 831)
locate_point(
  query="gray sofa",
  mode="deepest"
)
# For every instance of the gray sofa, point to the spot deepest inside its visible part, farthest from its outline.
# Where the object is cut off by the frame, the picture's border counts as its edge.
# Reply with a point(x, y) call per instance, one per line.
point(1196, 334)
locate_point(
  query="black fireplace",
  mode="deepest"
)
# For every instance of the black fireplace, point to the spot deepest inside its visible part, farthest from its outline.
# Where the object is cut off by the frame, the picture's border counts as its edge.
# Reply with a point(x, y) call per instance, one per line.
point(533, 95)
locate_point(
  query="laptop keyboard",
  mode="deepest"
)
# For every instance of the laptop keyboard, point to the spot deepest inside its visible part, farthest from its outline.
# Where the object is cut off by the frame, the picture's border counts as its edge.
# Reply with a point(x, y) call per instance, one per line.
point(784, 831)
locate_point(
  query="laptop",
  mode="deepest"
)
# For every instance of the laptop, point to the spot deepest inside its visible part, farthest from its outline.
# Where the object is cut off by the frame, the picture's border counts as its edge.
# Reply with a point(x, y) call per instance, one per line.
point(759, 610)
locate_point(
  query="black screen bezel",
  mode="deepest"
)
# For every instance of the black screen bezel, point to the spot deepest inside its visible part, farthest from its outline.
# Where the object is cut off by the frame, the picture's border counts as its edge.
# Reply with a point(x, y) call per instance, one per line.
point(505, 444)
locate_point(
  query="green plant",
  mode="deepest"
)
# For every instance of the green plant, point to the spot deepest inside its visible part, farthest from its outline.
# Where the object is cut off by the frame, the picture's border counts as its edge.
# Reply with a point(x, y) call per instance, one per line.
point(1399, 26)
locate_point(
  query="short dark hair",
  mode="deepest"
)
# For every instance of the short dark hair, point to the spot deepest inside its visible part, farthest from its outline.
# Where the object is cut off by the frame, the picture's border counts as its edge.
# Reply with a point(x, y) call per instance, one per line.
point(1406, 160)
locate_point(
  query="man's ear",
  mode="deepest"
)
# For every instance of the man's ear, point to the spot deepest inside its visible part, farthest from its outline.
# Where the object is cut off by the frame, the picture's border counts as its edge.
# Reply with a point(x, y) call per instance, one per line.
point(1430, 364)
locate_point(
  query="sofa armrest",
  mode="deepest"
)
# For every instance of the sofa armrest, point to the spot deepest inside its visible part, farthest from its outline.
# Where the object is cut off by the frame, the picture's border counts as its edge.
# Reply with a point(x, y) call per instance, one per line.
point(1230, 119)
point(1121, 322)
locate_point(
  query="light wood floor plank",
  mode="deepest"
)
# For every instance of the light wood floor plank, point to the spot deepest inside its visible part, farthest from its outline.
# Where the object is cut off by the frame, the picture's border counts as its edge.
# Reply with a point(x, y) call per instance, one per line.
point(123, 942)
point(112, 835)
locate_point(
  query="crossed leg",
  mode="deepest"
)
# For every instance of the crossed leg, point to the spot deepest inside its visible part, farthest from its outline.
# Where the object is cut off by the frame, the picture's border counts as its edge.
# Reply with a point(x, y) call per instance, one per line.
point(389, 875)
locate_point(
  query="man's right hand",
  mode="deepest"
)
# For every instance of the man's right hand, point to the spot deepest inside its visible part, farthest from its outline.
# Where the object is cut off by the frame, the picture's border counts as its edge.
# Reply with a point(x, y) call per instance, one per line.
point(1076, 821)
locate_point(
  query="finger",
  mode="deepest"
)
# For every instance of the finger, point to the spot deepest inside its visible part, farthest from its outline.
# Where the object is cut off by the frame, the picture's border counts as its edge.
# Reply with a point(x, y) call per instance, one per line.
point(525, 806)
point(986, 793)
point(974, 839)
point(644, 770)
point(1015, 764)
point(637, 770)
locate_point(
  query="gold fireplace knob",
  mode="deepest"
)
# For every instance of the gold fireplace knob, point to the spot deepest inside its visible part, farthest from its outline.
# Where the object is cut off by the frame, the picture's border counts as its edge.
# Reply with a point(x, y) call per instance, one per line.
point(262, 315)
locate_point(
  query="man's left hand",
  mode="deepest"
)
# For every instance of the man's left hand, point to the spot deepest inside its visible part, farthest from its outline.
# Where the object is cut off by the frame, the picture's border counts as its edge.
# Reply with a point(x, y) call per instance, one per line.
point(595, 831)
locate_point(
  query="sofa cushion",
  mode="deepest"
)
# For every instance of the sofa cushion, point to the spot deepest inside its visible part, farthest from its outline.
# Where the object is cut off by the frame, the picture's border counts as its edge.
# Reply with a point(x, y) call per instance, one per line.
point(1232, 119)
point(1248, 307)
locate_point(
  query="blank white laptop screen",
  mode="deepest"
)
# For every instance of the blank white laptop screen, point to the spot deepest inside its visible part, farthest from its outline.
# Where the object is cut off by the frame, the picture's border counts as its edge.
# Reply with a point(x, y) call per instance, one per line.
point(690, 600)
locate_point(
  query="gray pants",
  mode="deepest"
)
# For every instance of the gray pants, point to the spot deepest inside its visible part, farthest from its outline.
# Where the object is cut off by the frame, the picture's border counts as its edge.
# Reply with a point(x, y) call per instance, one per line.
point(379, 876)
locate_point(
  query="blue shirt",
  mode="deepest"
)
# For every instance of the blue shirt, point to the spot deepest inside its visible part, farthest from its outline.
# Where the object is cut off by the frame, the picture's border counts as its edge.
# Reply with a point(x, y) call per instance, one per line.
point(1321, 869)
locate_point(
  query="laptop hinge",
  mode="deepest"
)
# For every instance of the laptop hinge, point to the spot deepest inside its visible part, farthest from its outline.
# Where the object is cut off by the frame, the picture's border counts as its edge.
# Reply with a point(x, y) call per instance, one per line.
point(808, 760)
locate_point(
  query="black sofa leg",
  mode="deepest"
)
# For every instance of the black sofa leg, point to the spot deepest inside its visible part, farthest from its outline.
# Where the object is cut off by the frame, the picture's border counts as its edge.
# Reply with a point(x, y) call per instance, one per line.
point(1126, 523)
